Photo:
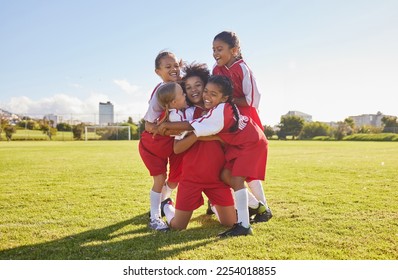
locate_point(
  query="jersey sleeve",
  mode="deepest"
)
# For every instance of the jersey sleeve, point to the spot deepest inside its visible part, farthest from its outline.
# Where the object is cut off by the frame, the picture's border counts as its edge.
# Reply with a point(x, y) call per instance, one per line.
point(176, 116)
point(249, 87)
point(154, 109)
point(189, 112)
point(211, 123)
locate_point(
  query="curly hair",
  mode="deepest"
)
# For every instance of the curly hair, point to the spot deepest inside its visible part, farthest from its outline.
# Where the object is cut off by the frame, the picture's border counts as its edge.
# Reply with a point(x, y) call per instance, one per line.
point(195, 70)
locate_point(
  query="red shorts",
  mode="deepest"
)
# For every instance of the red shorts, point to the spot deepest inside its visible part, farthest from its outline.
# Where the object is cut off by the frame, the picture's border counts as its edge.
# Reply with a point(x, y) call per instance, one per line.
point(189, 196)
point(251, 164)
point(157, 153)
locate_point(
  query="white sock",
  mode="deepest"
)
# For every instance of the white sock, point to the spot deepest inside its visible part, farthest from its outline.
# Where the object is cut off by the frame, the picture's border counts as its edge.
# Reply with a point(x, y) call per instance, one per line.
point(253, 202)
point(155, 205)
point(241, 207)
point(214, 209)
point(169, 211)
point(166, 192)
point(257, 189)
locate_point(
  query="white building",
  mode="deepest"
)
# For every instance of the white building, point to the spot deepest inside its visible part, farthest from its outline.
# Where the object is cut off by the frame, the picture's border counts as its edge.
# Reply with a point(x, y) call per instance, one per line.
point(306, 117)
point(54, 119)
point(106, 113)
point(368, 119)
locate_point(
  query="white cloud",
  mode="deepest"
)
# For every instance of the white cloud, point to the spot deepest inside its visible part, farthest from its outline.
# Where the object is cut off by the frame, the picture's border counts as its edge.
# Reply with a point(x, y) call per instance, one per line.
point(127, 87)
point(71, 107)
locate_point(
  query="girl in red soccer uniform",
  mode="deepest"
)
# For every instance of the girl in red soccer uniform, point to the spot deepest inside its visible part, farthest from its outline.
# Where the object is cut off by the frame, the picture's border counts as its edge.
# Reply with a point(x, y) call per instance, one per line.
point(157, 151)
point(229, 63)
point(246, 145)
point(202, 162)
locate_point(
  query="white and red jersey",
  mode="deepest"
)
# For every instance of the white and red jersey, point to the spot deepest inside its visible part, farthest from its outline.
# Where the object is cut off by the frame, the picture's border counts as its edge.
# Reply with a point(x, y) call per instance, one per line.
point(247, 147)
point(154, 111)
point(157, 152)
point(176, 115)
point(245, 86)
point(243, 81)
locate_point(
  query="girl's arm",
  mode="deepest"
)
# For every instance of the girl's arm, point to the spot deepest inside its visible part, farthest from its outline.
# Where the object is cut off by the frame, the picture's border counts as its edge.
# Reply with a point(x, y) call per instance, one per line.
point(240, 101)
point(210, 138)
point(149, 126)
point(174, 126)
point(184, 144)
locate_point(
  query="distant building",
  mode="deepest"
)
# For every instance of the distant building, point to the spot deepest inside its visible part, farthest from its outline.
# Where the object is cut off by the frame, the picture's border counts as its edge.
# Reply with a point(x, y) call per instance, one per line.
point(106, 113)
point(9, 117)
point(368, 119)
point(306, 117)
point(54, 119)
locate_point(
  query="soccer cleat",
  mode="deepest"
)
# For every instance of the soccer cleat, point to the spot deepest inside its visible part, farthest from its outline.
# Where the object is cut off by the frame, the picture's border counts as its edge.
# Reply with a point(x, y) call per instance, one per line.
point(263, 217)
point(236, 230)
point(158, 224)
point(163, 203)
point(209, 211)
point(259, 210)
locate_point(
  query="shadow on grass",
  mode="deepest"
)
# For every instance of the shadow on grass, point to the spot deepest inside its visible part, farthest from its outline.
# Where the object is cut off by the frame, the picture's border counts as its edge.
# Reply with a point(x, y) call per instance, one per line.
point(116, 242)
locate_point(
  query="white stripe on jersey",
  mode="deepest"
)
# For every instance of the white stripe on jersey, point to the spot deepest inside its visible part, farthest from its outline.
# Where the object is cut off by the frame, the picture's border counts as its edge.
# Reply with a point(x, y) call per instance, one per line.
point(211, 123)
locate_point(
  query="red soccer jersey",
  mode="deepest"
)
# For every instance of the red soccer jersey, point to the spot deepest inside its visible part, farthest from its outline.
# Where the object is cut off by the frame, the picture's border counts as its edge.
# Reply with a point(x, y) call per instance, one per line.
point(201, 169)
point(244, 86)
point(157, 152)
point(247, 147)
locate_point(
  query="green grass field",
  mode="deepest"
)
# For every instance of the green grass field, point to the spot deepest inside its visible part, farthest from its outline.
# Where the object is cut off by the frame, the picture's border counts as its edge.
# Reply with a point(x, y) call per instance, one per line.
point(89, 200)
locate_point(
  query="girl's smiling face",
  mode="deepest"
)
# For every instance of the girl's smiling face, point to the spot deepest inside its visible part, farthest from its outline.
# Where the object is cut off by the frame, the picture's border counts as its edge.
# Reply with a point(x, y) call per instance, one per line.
point(194, 88)
point(179, 101)
point(212, 95)
point(223, 53)
point(169, 69)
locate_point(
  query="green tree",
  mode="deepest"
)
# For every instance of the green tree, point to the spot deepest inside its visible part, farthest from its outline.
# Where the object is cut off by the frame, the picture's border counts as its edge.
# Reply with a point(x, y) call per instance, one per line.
point(290, 126)
point(342, 130)
point(9, 131)
point(134, 135)
point(141, 127)
point(350, 122)
point(64, 127)
point(32, 125)
point(313, 129)
point(3, 123)
point(47, 128)
point(77, 131)
point(269, 131)
point(390, 124)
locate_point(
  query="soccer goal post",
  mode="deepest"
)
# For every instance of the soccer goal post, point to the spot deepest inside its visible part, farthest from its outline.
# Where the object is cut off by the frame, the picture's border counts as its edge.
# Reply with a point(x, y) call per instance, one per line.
point(109, 132)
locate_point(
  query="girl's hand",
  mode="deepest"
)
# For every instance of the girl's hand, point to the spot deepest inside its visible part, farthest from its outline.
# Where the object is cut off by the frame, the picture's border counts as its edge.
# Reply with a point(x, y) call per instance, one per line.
point(159, 129)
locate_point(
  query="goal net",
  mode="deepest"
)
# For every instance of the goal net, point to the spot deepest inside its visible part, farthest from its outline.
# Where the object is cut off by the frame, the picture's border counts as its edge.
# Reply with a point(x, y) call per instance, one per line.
point(111, 132)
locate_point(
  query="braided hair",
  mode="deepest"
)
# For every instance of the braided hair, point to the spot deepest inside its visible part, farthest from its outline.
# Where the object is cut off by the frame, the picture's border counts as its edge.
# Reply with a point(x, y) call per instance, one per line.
point(227, 89)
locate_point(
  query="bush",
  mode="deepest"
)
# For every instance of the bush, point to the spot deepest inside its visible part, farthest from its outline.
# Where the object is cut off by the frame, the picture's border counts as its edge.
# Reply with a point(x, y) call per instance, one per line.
point(313, 129)
point(323, 138)
point(372, 137)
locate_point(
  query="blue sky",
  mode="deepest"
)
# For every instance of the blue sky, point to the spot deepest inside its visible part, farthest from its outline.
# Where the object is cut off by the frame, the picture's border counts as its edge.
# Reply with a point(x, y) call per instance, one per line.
point(329, 59)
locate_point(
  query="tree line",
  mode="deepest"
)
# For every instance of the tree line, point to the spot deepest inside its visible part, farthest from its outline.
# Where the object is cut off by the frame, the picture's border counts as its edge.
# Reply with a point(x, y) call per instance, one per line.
point(48, 128)
point(290, 127)
point(296, 127)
